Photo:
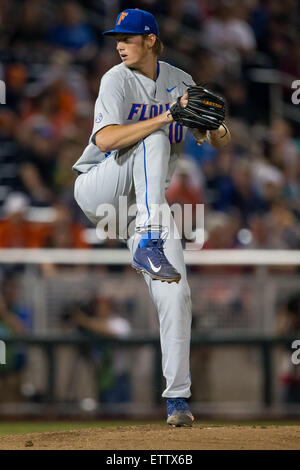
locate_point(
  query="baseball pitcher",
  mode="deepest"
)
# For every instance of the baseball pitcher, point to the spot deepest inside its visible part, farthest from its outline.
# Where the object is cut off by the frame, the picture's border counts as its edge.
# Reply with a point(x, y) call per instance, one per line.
point(142, 114)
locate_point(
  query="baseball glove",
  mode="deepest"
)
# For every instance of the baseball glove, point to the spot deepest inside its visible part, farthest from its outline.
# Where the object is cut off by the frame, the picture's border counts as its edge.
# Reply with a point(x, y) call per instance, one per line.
point(204, 110)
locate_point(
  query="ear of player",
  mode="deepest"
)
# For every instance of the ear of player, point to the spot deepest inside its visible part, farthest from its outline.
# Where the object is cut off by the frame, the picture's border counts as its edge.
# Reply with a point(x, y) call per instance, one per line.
point(205, 110)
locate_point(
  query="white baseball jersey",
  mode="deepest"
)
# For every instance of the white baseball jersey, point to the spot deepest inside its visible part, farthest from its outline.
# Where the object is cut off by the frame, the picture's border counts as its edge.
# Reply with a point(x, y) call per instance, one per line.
point(126, 96)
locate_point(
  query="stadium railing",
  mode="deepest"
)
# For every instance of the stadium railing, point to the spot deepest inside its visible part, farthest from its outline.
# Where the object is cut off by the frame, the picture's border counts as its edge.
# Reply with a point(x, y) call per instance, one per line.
point(263, 342)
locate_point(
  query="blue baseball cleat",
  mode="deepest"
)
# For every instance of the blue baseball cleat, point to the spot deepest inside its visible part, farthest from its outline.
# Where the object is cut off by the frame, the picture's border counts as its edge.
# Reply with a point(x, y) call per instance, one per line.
point(149, 258)
point(179, 413)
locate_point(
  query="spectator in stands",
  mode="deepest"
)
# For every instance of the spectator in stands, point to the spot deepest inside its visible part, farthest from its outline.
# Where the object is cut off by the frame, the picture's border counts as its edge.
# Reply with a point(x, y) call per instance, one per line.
point(63, 177)
point(16, 231)
point(39, 136)
point(221, 231)
point(36, 170)
point(10, 154)
point(245, 196)
point(207, 68)
point(236, 95)
point(232, 186)
point(15, 318)
point(104, 61)
point(284, 152)
point(285, 225)
point(228, 34)
point(291, 190)
point(180, 18)
point(200, 154)
point(279, 38)
point(73, 33)
point(264, 234)
point(185, 192)
point(16, 75)
point(269, 179)
point(45, 112)
point(30, 22)
point(100, 316)
point(218, 179)
point(290, 65)
point(14, 315)
point(64, 232)
point(185, 187)
point(69, 86)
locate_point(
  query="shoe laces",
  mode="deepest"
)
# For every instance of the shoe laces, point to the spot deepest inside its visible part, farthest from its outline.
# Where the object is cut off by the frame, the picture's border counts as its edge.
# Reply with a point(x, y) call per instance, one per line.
point(177, 404)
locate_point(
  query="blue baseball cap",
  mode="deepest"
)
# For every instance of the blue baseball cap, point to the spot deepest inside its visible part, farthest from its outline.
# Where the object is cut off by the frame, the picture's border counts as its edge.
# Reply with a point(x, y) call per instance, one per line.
point(134, 21)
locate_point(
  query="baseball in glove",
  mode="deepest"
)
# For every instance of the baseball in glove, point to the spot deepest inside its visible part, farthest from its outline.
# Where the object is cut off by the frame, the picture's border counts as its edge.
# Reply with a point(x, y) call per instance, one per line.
point(204, 110)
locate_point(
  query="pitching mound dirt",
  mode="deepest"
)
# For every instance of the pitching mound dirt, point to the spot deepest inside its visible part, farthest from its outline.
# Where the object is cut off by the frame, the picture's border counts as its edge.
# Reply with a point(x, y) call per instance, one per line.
point(160, 437)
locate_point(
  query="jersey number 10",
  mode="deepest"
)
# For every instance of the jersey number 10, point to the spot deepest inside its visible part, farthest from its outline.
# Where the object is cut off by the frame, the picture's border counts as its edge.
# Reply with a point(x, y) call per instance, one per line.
point(175, 133)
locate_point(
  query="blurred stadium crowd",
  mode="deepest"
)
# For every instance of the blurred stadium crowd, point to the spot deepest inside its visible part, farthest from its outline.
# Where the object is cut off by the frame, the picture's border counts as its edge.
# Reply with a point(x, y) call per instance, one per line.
point(52, 57)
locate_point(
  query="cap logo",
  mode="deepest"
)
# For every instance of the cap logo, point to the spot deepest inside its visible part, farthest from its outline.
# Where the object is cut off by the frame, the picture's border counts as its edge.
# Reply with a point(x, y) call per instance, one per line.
point(147, 28)
point(122, 16)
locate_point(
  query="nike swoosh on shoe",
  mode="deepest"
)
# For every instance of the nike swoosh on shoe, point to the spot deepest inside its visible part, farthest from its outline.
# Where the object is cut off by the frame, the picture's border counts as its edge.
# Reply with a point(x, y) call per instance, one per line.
point(155, 269)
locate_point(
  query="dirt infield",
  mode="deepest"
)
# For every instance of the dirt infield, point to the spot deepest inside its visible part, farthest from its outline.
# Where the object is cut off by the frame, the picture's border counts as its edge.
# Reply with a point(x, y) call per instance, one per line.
point(160, 437)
